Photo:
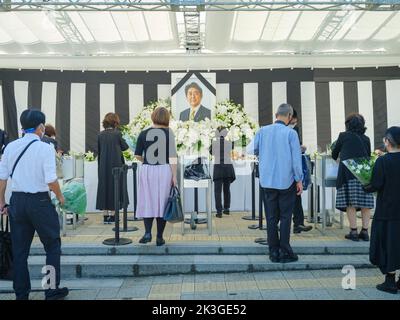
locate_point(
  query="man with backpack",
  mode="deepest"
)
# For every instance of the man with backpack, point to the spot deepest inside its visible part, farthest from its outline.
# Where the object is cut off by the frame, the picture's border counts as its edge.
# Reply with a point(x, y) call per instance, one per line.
point(298, 213)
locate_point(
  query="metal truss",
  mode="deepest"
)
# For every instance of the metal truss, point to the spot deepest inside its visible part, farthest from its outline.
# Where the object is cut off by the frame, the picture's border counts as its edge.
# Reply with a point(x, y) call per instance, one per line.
point(193, 41)
point(199, 5)
point(332, 24)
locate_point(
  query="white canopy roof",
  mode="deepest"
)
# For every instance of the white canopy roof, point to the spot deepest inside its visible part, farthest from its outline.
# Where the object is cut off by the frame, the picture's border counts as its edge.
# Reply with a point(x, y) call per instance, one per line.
point(316, 34)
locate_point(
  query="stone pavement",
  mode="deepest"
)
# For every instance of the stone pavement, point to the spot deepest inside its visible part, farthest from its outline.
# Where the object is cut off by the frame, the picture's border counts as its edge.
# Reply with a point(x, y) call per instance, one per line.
point(229, 228)
point(292, 285)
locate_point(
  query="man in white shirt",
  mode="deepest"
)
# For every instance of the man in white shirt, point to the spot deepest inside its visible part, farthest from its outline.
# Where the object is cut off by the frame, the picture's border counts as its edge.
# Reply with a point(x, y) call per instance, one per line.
point(31, 164)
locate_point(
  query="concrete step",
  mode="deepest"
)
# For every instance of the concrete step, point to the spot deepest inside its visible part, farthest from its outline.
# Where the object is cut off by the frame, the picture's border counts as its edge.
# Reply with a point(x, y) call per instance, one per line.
point(147, 265)
point(209, 248)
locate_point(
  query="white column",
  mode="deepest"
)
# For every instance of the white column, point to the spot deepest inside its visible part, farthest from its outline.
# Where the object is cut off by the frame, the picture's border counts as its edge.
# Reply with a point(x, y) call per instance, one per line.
point(393, 102)
point(309, 116)
point(278, 96)
point(49, 101)
point(250, 100)
point(21, 99)
point(135, 99)
point(336, 98)
point(77, 121)
point(366, 108)
point(222, 92)
point(107, 100)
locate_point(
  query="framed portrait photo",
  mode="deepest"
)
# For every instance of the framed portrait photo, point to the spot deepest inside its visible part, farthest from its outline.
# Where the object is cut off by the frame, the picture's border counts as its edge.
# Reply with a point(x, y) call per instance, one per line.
point(193, 95)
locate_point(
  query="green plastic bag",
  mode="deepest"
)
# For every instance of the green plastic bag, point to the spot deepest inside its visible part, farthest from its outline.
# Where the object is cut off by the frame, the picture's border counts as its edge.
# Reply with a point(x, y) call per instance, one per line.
point(74, 193)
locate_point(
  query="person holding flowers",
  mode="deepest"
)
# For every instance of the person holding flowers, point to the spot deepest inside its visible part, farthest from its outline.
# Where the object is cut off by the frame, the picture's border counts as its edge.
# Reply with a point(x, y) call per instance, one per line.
point(385, 230)
point(353, 143)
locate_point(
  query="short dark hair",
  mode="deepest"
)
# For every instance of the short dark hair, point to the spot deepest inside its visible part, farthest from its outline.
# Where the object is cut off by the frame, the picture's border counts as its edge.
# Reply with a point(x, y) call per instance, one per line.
point(111, 120)
point(193, 85)
point(355, 122)
point(32, 118)
point(160, 116)
point(294, 115)
point(50, 131)
point(393, 136)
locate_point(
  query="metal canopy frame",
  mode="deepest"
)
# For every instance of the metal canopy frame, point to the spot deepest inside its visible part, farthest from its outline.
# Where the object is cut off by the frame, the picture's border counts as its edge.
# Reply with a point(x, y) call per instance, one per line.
point(199, 5)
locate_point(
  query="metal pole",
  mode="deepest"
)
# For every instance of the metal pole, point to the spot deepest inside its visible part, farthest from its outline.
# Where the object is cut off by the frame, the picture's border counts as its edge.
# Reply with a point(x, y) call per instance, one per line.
point(117, 241)
point(253, 196)
point(125, 201)
point(263, 241)
point(134, 178)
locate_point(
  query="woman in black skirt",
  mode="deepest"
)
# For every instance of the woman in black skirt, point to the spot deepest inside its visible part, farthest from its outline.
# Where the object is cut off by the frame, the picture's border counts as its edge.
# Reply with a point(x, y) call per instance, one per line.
point(224, 173)
point(110, 145)
point(350, 195)
point(385, 231)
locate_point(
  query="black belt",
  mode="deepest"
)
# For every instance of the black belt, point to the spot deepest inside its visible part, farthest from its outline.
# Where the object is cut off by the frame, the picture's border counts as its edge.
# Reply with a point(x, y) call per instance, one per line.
point(31, 194)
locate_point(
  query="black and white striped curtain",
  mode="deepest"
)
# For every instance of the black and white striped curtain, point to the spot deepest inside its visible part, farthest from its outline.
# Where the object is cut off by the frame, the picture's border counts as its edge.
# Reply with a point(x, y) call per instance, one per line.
point(75, 102)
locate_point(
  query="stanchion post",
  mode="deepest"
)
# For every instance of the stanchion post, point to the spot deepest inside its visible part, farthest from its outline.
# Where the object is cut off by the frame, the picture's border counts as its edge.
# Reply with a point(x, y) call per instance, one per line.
point(117, 241)
point(124, 172)
point(134, 169)
point(117, 199)
point(253, 196)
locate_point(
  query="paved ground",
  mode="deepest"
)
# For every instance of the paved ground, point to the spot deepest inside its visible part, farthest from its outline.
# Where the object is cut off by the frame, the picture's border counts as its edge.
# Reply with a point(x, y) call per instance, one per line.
point(229, 228)
point(293, 285)
point(323, 284)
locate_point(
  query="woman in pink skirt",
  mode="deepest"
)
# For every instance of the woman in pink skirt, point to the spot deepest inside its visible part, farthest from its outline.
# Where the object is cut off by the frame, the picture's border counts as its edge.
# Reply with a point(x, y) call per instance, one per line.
point(156, 148)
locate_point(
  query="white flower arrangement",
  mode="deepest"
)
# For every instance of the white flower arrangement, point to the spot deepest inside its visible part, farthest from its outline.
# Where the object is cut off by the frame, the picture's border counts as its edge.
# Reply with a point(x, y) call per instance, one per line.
point(196, 137)
point(241, 128)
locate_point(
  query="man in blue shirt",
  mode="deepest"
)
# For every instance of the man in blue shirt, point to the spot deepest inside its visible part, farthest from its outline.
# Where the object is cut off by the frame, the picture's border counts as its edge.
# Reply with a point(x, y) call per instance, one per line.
point(279, 154)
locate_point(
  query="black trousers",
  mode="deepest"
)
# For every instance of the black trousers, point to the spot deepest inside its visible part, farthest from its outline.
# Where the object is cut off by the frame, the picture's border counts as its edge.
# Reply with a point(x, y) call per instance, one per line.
point(30, 213)
point(279, 206)
point(220, 184)
point(298, 213)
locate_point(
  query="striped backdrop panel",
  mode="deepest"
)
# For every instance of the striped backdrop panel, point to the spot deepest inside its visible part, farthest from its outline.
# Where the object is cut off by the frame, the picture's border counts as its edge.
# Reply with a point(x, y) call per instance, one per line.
point(76, 102)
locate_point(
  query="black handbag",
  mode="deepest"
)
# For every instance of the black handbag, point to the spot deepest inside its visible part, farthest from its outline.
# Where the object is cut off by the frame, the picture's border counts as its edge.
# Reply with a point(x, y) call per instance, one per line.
point(6, 257)
point(197, 170)
point(173, 211)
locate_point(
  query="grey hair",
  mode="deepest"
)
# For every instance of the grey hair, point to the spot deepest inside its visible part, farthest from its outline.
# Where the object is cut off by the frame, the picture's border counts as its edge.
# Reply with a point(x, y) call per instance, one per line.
point(284, 110)
point(391, 140)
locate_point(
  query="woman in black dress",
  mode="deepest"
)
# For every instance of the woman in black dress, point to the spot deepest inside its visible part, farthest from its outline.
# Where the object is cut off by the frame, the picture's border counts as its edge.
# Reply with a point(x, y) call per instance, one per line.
point(224, 173)
point(110, 145)
point(350, 195)
point(50, 137)
point(385, 231)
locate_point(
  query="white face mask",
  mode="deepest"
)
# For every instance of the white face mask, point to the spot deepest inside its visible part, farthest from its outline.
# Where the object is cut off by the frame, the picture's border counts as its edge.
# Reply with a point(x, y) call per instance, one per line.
point(291, 125)
point(42, 127)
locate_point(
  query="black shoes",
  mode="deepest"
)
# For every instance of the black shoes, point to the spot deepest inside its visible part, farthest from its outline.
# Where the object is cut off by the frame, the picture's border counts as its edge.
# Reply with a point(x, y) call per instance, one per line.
point(146, 238)
point(226, 211)
point(363, 235)
point(287, 258)
point(274, 257)
point(389, 285)
point(57, 294)
point(283, 258)
point(219, 215)
point(160, 242)
point(352, 235)
point(302, 228)
point(108, 219)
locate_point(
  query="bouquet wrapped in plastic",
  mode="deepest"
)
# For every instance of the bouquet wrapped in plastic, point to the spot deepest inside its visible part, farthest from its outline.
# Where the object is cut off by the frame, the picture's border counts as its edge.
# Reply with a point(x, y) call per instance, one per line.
point(74, 193)
point(130, 140)
point(361, 168)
